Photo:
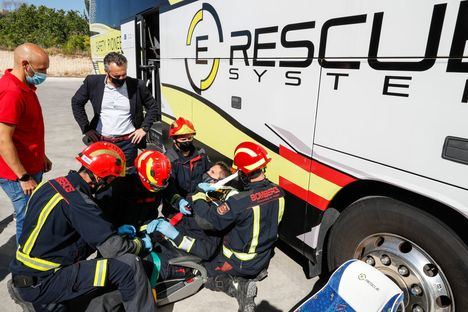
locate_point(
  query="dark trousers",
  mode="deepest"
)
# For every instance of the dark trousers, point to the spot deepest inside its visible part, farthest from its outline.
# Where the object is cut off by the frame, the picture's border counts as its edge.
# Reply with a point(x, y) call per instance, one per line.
point(131, 151)
point(124, 273)
point(167, 252)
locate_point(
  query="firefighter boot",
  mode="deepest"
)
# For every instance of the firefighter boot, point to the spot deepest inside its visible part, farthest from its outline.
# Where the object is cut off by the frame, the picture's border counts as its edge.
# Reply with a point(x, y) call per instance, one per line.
point(245, 293)
point(27, 306)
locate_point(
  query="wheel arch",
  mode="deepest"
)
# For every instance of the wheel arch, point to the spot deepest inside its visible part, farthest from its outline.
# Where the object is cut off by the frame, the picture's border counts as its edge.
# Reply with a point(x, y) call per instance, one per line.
point(368, 188)
point(362, 189)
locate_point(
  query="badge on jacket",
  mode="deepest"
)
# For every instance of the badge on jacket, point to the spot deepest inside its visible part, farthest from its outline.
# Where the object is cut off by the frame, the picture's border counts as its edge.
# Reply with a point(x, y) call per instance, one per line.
point(223, 209)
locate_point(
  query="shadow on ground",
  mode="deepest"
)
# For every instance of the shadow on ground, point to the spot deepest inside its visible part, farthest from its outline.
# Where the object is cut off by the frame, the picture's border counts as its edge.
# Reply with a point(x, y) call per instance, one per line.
point(317, 286)
point(4, 223)
point(265, 306)
point(303, 262)
point(7, 253)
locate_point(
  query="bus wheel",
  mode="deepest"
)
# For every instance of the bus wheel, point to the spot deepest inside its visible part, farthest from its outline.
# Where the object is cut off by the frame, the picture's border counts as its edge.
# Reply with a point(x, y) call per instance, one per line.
point(422, 255)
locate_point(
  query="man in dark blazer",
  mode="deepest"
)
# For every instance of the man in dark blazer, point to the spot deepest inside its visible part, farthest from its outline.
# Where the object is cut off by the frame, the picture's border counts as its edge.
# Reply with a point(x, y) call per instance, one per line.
point(118, 103)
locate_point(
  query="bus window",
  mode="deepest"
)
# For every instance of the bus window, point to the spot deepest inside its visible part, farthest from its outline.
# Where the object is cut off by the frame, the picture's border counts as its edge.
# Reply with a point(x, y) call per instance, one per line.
point(112, 12)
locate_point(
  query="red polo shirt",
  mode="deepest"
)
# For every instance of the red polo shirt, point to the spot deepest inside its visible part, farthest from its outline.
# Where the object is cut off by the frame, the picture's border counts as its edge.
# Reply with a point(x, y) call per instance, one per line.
point(20, 106)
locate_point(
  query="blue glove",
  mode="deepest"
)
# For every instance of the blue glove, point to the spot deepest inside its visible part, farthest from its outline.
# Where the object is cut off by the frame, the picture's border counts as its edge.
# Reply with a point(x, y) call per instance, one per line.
point(206, 187)
point(147, 244)
point(183, 207)
point(128, 230)
point(151, 227)
point(167, 229)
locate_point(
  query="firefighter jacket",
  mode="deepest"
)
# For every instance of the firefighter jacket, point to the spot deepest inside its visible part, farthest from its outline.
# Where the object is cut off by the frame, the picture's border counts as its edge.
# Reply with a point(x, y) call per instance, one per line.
point(251, 219)
point(62, 226)
point(129, 202)
point(186, 173)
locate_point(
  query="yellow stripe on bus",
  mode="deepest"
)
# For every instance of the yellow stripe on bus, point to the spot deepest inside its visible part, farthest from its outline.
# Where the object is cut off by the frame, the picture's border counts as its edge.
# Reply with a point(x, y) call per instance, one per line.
point(206, 83)
point(209, 124)
point(197, 18)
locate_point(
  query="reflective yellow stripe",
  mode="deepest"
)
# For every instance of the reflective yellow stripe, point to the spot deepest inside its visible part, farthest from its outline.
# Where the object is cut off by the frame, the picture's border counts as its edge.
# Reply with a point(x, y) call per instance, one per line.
point(280, 209)
point(40, 222)
point(239, 255)
point(36, 263)
point(149, 166)
point(256, 229)
point(255, 165)
point(143, 227)
point(231, 193)
point(247, 151)
point(198, 196)
point(100, 273)
point(138, 245)
point(142, 157)
point(187, 243)
point(227, 252)
point(32, 194)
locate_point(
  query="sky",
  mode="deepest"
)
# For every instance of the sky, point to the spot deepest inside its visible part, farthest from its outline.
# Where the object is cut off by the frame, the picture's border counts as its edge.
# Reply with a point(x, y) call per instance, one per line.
point(77, 5)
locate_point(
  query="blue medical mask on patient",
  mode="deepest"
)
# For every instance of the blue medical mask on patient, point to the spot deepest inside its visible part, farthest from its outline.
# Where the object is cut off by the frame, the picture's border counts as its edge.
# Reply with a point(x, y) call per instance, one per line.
point(37, 78)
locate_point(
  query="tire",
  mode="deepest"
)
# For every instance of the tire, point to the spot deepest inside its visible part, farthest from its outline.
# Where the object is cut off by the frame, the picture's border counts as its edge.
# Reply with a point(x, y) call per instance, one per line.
point(394, 237)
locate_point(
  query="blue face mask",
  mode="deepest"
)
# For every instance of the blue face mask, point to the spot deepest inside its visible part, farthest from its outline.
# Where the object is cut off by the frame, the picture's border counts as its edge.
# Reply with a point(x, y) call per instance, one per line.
point(37, 78)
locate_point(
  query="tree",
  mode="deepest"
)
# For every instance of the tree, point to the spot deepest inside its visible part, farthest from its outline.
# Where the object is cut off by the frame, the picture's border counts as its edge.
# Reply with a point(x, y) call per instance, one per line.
point(49, 28)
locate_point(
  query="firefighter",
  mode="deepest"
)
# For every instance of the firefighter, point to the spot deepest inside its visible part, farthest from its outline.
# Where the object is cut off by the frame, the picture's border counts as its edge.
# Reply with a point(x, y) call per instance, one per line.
point(187, 236)
point(135, 198)
point(64, 226)
point(250, 219)
point(188, 164)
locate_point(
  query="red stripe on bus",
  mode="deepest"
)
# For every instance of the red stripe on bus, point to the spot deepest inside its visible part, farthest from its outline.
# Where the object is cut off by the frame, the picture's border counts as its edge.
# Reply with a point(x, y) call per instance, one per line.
point(297, 159)
point(308, 196)
point(323, 171)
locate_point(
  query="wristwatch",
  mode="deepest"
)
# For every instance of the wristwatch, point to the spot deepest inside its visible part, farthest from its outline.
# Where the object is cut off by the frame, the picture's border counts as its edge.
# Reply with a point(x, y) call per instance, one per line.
point(146, 129)
point(25, 177)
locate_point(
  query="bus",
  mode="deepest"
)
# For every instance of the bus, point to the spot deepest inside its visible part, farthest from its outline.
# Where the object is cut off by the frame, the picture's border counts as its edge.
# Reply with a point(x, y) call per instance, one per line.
point(361, 104)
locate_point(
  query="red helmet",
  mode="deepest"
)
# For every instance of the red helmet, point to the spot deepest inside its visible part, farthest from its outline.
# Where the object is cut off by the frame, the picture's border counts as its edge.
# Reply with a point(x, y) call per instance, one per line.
point(249, 156)
point(154, 169)
point(181, 126)
point(103, 159)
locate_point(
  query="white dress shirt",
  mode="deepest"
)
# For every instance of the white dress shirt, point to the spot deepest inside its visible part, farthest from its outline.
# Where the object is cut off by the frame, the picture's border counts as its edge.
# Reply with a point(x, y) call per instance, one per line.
point(115, 116)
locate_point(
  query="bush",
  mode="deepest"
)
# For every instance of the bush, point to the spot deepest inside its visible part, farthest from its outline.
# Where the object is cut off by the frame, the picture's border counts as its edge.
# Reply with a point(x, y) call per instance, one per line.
point(49, 28)
point(76, 44)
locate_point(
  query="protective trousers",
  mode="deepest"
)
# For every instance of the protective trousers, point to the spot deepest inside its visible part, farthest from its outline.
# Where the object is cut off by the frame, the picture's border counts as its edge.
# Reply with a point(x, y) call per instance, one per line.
point(93, 278)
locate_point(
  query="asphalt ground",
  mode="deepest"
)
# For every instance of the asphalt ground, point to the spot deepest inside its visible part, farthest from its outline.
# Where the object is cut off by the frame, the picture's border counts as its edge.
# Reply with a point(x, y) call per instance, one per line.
point(284, 287)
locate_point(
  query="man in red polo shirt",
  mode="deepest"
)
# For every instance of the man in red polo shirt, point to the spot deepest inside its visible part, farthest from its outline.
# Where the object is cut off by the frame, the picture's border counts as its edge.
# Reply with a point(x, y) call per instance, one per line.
point(22, 151)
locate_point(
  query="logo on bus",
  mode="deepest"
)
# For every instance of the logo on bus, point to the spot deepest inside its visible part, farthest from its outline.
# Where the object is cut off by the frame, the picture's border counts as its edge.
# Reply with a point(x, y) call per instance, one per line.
point(205, 82)
point(257, 40)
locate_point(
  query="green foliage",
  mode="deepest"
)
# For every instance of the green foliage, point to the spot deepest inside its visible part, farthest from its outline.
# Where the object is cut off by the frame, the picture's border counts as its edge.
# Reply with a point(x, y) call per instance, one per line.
point(49, 28)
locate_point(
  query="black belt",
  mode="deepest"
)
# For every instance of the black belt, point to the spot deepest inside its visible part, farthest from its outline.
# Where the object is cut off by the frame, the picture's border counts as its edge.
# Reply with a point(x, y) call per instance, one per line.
point(115, 139)
point(23, 281)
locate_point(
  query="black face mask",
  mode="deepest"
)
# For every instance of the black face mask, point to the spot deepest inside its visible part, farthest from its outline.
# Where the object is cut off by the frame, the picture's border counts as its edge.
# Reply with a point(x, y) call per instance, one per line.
point(117, 82)
point(185, 146)
point(99, 187)
point(208, 179)
point(243, 178)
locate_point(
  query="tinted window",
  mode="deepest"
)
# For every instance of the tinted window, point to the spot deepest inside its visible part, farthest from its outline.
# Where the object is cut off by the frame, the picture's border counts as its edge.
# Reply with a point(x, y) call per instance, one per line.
point(112, 12)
